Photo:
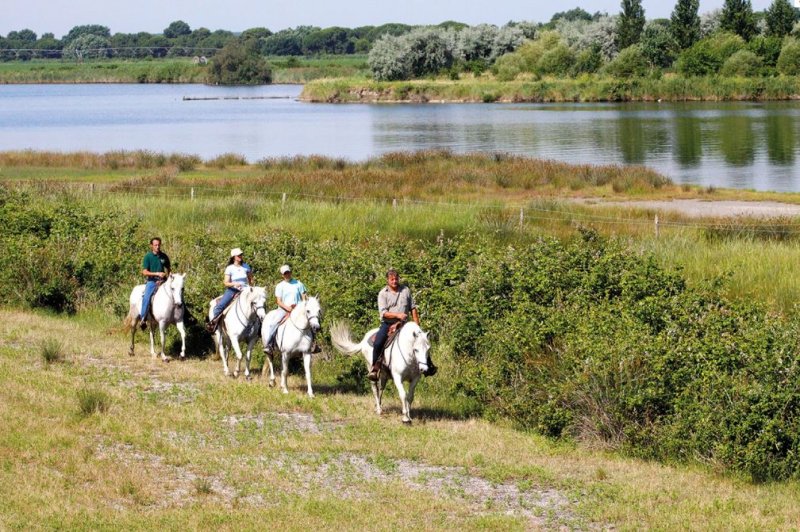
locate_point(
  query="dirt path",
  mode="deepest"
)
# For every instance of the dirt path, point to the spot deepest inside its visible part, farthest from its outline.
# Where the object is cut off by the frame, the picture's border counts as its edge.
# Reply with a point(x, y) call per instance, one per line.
point(695, 208)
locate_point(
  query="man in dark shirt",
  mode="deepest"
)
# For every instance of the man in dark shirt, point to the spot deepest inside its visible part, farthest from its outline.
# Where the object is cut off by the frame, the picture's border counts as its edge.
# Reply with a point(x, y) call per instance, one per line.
point(155, 268)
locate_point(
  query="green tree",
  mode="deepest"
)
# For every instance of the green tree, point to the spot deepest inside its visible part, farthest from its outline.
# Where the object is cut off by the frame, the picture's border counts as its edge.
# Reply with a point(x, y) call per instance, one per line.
point(630, 24)
point(738, 18)
point(631, 62)
point(780, 17)
point(239, 64)
point(255, 33)
point(87, 46)
point(658, 43)
point(176, 29)
point(789, 60)
point(572, 14)
point(685, 23)
point(88, 29)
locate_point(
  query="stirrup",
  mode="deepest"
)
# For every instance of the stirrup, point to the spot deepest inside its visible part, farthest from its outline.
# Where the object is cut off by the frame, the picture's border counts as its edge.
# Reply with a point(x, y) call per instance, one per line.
point(374, 372)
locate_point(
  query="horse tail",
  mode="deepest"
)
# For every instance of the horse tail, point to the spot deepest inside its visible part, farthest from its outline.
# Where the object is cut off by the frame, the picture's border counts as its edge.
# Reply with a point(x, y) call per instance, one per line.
point(340, 336)
point(130, 320)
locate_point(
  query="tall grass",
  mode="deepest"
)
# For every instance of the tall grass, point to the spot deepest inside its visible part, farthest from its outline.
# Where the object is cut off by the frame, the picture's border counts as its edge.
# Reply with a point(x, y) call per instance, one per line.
point(103, 71)
point(92, 400)
point(52, 351)
point(583, 89)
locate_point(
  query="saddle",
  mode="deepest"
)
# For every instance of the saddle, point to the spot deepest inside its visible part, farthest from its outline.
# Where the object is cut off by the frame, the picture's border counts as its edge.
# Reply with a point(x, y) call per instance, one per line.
point(390, 338)
point(211, 326)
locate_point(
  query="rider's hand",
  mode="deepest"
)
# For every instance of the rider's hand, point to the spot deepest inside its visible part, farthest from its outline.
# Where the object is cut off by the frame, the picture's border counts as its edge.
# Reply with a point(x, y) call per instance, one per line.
point(403, 316)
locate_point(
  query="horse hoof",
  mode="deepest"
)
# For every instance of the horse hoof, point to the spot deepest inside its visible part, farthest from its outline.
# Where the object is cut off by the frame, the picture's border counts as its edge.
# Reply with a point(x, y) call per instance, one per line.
point(272, 383)
point(311, 396)
point(130, 353)
point(407, 421)
point(166, 360)
point(248, 377)
point(285, 391)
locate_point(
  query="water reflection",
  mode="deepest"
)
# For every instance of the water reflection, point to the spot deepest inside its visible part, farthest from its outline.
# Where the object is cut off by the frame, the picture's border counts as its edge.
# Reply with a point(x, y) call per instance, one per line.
point(721, 144)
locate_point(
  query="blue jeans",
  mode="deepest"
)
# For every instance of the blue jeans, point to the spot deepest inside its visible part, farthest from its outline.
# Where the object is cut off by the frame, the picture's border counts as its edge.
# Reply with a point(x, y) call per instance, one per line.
point(149, 289)
point(380, 341)
point(224, 301)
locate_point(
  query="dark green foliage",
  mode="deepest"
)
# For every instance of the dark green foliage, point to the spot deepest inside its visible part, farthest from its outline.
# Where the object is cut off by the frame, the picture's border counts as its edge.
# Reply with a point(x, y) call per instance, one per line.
point(789, 60)
point(573, 14)
point(768, 48)
point(88, 29)
point(738, 18)
point(780, 18)
point(685, 23)
point(56, 255)
point(658, 44)
point(239, 64)
point(176, 29)
point(631, 23)
point(631, 62)
point(708, 55)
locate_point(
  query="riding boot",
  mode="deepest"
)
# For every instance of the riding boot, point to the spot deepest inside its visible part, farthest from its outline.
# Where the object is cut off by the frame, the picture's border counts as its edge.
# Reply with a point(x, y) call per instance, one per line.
point(375, 372)
point(143, 324)
point(211, 326)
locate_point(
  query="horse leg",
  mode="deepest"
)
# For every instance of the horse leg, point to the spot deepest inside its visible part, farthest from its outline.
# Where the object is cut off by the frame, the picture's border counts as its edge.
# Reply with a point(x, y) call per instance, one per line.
point(247, 355)
point(161, 326)
point(307, 366)
point(182, 331)
point(238, 350)
point(223, 353)
point(271, 370)
point(376, 392)
point(152, 340)
point(284, 371)
point(133, 337)
point(411, 387)
point(401, 392)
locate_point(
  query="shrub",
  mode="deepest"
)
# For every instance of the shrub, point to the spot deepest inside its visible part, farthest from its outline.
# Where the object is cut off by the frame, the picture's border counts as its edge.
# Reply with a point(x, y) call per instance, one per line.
point(556, 61)
point(742, 63)
point(239, 64)
point(789, 60)
point(91, 400)
point(52, 351)
point(707, 55)
point(631, 62)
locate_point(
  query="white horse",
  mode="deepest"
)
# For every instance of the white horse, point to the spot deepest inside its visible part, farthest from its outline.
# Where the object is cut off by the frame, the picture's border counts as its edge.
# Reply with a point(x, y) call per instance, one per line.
point(293, 337)
point(166, 307)
point(240, 323)
point(405, 360)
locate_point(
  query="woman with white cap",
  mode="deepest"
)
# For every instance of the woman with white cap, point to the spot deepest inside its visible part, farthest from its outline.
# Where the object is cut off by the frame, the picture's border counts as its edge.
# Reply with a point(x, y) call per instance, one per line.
point(238, 275)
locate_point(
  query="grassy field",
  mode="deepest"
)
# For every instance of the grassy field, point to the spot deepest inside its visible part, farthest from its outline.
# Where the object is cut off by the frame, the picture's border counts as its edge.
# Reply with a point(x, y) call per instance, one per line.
point(95, 439)
point(177, 70)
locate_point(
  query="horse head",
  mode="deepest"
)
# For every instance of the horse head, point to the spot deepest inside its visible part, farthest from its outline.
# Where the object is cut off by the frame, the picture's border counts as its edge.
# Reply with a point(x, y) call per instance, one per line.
point(421, 345)
point(313, 313)
point(258, 299)
point(176, 286)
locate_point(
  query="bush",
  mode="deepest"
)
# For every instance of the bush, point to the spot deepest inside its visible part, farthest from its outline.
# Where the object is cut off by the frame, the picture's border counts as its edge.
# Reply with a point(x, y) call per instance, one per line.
point(707, 55)
point(92, 401)
point(52, 351)
point(789, 60)
point(557, 61)
point(239, 64)
point(743, 63)
point(631, 62)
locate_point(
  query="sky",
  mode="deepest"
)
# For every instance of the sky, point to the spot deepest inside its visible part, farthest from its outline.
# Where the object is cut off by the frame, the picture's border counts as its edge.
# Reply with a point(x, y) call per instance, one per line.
point(153, 16)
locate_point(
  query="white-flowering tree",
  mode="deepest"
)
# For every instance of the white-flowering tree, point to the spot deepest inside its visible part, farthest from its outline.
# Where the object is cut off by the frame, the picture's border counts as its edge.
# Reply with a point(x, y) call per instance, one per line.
point(389, 59)
point(710, 23)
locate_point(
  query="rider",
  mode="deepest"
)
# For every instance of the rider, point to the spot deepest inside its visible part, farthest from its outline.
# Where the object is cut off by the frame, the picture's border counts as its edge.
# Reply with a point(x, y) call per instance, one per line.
point(288, 293)
point(155, 268)
point(394, 304)
point(238, 275)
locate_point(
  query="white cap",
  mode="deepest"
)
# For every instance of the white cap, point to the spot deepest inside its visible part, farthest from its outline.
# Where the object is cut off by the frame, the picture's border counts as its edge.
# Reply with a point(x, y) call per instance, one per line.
point(236, 251)
point(285, 268)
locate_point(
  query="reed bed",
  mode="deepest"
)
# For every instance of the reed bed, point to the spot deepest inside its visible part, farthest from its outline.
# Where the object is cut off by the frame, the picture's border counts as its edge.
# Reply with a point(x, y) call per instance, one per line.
point(587, 88)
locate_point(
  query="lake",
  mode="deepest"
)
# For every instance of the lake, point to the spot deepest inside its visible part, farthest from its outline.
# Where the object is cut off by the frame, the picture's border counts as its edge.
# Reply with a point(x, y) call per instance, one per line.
point(739, 145)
